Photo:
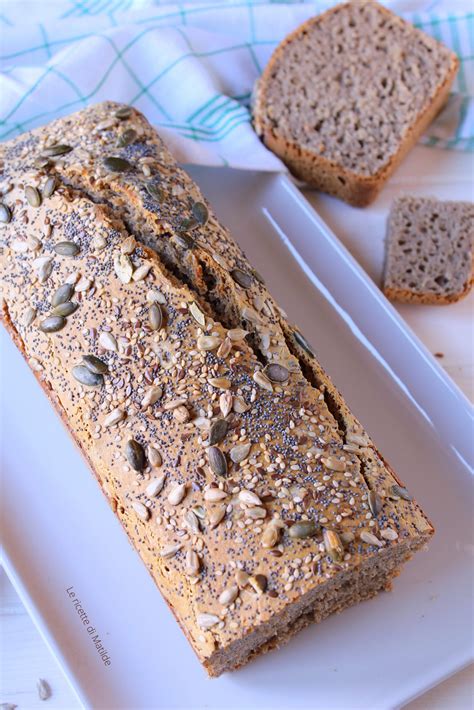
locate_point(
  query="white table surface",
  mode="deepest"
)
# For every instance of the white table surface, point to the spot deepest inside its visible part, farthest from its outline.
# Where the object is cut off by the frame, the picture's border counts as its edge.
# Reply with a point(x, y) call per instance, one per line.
point(448, 330)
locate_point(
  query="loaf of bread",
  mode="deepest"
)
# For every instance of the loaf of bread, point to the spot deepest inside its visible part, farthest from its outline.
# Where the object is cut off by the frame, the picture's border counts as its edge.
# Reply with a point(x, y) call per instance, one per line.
point(347, 94)
point(253, 495)
point(429, 250)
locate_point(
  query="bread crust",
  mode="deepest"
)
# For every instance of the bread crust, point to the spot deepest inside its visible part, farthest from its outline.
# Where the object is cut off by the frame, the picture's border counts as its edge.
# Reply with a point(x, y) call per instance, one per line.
point(324, 174)
point(96, 209)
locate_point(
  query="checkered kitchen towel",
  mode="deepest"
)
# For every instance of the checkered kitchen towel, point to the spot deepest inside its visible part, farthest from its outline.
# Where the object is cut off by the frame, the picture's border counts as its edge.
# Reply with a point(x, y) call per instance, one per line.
point(189, 66)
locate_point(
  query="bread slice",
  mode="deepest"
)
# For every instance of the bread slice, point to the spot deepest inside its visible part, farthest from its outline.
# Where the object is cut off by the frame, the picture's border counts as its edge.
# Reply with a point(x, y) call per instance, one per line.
point(347, 94)
point(429, 250)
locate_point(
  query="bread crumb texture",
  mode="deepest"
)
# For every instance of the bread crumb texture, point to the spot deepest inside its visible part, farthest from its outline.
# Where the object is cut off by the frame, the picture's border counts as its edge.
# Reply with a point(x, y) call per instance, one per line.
point(255, 498)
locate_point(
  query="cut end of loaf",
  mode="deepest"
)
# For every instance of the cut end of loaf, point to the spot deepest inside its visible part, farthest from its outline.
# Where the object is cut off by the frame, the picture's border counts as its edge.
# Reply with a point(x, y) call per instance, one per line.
point(429, 251)
point(326, 100)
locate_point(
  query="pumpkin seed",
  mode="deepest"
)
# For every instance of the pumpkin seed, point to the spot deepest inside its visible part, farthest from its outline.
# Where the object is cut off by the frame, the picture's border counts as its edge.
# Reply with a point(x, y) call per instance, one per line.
point(49, 187)
point(155, 191)
point(249, 498)
point(218, 431)
point(83, 375)
point(52, 151)
point(155, 487)
point(375, 503)
point(117, 165)
point(33, 196)
point(62, 294)
point(155, 316)
point(52, 324)
point(303, 529)
point(229, 595)
point(187, 223)
point(135, 455)
point(66, 248)
point(5, 214)
point(127, 138)
point(200, 511)
point(41, 163)
point(95, 364)
point(123, 112)
point(303, 343)
point(197, 314)
point(184, 241)
point(65, 309)
point(217, 461)
point(401, 492)
point(240, 452)
point(242, 278)
point(333, 545)
point(277, 373)
point(200, 212)
point(207, 621)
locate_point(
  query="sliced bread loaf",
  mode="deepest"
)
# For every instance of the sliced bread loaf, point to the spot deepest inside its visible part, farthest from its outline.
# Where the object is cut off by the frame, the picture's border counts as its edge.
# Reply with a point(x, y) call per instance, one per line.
point(346, 95)
point(429, 250)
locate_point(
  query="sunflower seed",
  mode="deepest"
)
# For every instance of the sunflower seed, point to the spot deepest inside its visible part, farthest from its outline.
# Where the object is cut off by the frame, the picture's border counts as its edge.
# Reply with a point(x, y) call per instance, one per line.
point(155, 191)
point(237, 334)
point(200, 511)
point(123, 112)
point(256, 513)
point(83, 284)
point(127, 138)
point(128, 246)
point(276, 373)
point(108, 341)
point(216, 515)
point(207, 621)
point(44, 691)
point(225, 403)
point(41, 163)
point(45, 268)
point(258, 583)
point(192, 563)
point(28, 316)
point(303, 343)
point(240, 452)
point(20, 246)
point(213, 495)
point(177, 494)
point(52, 151)
point(66, 249)
point(242, 578)
point(202, 423)
point(181, 414)
point(154, 457)
point(218, 431)
point(135, 455)
point(52, 324)
point(155, 487)
point(33, 196)
point(242, 278)
point(117, 165)
point(155, 296)
point(200, 212)
point(271, 534)
point(333, 545)
point(62, 294)
point(239, 405)
point(65, 309)
point(262, 381)
point(208, 342)
point(370, 539)
point(83, 375)
point(224, 348)
point(217, 461)
point(170, 550)
point(229, 595)
point(115, 416)
point(334, 464)
point(401, 492)
point(220, 383)
point(191, 521)
point(303, 529)
point(155, 316)
point(152, 395)
point(141, 510)
point(123, 267)
point(5, 214)
point(347, 536)
point(389, 534)
point(95, 364)
point(249, 498)
point(49, 187)
point(141, 272)
point(375, 503)
point(197, 314)
point(357, 438)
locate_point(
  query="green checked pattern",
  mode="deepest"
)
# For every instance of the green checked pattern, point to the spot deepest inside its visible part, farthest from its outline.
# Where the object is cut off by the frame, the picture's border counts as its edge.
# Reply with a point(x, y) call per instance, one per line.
point(189, 66)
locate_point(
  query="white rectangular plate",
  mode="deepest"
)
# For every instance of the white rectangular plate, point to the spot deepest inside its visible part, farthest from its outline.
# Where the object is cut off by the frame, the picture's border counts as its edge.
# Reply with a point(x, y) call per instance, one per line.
point(60, 534)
